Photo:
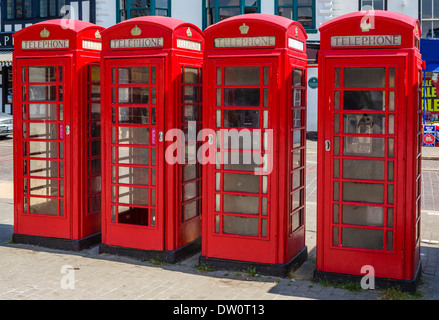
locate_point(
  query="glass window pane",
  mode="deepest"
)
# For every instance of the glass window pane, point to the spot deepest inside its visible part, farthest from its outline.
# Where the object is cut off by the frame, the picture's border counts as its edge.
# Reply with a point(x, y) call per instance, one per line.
point(364, 216)
point(43, 206)
point(241, 204)
point(336, 191)
point(337, 77)
point(42, 74)
point(391, 77)
point(391, 100)
point(134, 75)
point(134, 115)
point(41, 168)
point(297, 118)
point(390, 217)
point(364, 123)
point(296, 200)
point(364, 100)
point(191, 75)
point(43, 149)
point(242, 97)
point(191, 190)
point(131, 155)
point(241, 182)
point(297, 138)
point(242, 161)
point(132, 215)
point(191, 94)
point(286, 12)
point(134, 95)
point(95, 74)
point(304, 16)
point(365, 77)
point(298, 97)
point(363, 192)
point(140, 13)
point(242, 76)
point(296, 220)
point(42, 131)
point(132, 195)
point(95, 93)
point(240, 225)
point(228, 12)
point(362, 238)
point(190, 172)
point(297, 158)
point(190, 113)
point(241, 119)
point(133, 135)
point(363, 146)
point(363, 169)
point(191, 209)
point(43, 187)
point(42, 93)
point(298, 77)
point(335, 236)
point(427, 10)
point(129, 175)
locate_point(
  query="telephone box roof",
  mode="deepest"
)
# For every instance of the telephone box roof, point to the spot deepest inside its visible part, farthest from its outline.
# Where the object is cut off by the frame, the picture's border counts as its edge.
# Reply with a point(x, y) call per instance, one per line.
point(76, 26)
point(167, 23)
point(372, 25)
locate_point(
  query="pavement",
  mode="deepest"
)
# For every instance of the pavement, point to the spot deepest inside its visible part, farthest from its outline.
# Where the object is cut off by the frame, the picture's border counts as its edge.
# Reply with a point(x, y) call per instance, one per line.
point(36, 273)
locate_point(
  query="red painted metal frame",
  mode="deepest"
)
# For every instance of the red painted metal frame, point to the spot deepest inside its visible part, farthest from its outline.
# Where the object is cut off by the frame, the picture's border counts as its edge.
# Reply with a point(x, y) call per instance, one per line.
point(75, 224)
point(280, 243)
point(173, 232)
point(402, 260)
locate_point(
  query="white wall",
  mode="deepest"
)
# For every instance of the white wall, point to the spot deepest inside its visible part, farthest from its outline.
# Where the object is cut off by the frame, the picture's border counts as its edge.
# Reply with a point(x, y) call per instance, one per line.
point(407, 7)
point(341, 7)
point(189, 11)
point(311, 97)
point(106, 13)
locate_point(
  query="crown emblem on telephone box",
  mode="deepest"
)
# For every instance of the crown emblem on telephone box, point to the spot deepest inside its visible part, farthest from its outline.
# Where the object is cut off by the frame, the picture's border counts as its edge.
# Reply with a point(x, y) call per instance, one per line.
point(244, 28)
point(136, 31)
point(44, 33)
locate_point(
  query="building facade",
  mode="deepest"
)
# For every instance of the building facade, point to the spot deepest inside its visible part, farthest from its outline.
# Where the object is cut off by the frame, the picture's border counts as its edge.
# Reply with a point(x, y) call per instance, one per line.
point(17, 14)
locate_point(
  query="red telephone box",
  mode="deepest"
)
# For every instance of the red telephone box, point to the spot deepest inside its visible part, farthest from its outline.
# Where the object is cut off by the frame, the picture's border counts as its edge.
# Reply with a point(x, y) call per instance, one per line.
point(369, 148)
point(152, 89)
point(57, 134)
point(255, 97)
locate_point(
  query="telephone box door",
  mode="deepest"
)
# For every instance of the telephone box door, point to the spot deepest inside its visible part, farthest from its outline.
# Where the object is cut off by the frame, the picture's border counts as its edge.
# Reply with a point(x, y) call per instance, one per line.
point(241, 224)
point(44, 146)
point(363, 165)
point(134, 133)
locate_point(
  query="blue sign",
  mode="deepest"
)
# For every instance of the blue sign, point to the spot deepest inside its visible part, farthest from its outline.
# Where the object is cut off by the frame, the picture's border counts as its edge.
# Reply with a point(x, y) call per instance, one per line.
point(429, 136)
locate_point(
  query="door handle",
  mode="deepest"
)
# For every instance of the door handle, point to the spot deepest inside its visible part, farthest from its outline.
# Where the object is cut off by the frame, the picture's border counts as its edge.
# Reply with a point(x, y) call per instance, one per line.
point(67, 130)
point(210, 137)
point(327, 145)
point(160, 136)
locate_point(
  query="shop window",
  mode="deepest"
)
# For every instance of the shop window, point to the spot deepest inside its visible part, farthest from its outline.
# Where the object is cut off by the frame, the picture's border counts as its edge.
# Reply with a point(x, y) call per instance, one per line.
point(18, 9)
point(128, 9)
point(372, 4)
point(302, 11)
point(429, 14)
point(217, 10)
